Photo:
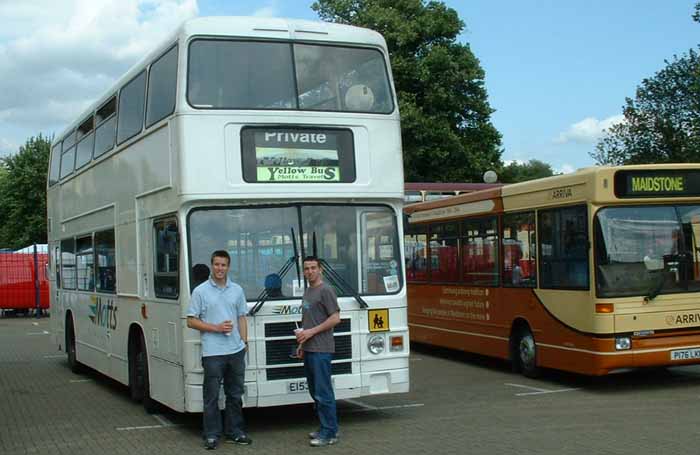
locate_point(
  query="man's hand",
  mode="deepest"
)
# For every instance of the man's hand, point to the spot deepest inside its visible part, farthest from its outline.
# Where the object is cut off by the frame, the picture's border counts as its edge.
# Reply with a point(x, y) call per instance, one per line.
point(303, 335)
point(224, 327)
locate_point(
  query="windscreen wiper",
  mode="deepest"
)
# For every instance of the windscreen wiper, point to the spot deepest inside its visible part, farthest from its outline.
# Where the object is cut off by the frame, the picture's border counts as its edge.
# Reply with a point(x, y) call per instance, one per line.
point(265, 294)
point(337, 280)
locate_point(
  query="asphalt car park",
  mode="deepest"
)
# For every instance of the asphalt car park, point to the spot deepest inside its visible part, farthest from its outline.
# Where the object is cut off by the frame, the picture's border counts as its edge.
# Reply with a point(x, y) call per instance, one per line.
point(458, 403)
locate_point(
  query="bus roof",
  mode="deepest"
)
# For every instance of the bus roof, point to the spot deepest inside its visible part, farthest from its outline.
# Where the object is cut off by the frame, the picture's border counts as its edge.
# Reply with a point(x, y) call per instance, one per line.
point(263, 28)
point(595, 183)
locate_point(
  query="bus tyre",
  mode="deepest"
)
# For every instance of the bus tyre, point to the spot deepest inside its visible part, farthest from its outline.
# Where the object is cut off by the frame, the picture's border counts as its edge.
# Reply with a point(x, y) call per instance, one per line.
point(139, 383)
point(75, 366)
point(526, 350)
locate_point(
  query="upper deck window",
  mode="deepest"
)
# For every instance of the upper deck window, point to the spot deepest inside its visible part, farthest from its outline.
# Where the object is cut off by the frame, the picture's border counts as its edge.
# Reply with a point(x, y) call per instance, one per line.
point(86, 138)
point(225, 74)
point(131, 104)
point(106, 121)
point(55, 163)
point(162, 81)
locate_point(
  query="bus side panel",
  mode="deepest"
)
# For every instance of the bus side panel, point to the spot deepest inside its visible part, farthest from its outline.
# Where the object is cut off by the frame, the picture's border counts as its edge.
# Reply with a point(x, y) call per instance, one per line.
point(481, 320)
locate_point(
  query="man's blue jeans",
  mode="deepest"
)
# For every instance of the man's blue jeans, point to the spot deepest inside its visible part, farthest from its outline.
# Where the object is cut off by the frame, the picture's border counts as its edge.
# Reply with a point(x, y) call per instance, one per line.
point(231, 369)
point(317, 366)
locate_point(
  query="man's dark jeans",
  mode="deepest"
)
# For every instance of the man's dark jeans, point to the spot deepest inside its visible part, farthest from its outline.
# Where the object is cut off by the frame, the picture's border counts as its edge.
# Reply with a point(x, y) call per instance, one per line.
point(231, 369)
point(317, 366)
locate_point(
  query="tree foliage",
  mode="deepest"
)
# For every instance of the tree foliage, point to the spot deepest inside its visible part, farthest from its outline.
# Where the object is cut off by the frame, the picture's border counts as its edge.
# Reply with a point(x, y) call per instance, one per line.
point(23, 194)
point(662, 123)
point(446, 124)
point(521, 172)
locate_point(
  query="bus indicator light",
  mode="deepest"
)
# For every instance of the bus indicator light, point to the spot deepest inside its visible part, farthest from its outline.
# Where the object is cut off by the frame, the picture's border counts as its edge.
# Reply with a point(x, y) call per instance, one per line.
point(396, 344)
point(604, 308)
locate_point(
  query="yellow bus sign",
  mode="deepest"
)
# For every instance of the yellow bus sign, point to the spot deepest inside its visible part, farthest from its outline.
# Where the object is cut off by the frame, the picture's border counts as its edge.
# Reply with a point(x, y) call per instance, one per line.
point(378, 320)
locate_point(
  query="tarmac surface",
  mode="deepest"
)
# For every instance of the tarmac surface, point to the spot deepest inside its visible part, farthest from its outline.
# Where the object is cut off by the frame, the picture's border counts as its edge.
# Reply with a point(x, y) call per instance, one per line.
point(458, 403)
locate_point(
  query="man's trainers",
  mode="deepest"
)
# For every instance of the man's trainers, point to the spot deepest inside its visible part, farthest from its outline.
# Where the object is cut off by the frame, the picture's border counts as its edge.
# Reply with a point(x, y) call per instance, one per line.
point(210, 444)
point(315, 435)
point(318, 442)
point(243, 440)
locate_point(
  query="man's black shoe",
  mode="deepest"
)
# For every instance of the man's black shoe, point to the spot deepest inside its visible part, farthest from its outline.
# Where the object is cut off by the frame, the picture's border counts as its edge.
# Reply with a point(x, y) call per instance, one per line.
point(242, 439)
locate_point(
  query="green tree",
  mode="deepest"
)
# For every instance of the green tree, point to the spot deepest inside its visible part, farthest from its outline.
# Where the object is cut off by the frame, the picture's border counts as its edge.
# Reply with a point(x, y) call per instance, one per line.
point(23, 194)
point(662, 123)
point(533, 169)
point(446, 124)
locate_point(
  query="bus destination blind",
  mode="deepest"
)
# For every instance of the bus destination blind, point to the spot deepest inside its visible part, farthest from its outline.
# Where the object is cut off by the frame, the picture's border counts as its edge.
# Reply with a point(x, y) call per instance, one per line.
point(644, 184)
point(298, 155)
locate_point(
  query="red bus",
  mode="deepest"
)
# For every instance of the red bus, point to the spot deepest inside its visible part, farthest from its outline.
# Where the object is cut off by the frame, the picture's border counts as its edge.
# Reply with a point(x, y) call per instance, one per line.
point(18, 277)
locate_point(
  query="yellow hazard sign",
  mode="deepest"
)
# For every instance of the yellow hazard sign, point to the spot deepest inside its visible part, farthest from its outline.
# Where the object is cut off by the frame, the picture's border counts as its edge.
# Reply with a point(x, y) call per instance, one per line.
point(378, 320)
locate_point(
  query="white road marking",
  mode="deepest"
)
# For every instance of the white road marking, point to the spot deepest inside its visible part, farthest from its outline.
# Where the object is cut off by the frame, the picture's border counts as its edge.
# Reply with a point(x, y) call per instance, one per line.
point(364, 407)
point(76, 381)
point(146, 427)
point(537, 391)
point(361, 404)
point(54, 356)
point(164, 423)
point(43, 332)
point(163, 420)
point(35, 323)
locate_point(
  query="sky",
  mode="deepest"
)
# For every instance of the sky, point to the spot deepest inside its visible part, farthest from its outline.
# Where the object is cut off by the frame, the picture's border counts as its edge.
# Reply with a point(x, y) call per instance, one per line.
point(557, 72)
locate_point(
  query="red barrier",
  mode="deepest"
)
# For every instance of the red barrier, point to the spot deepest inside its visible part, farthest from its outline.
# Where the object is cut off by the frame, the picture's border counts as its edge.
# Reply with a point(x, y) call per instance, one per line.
point(17, 276)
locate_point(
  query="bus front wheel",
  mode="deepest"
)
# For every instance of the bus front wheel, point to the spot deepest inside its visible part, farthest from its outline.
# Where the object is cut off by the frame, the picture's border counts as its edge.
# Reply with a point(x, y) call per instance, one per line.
point(526, 350)
point(139, 383)
point(73, 364)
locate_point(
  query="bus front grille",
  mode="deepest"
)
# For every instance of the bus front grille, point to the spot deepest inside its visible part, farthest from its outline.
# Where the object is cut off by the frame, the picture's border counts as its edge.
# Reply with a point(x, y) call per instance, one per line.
point(281, 351)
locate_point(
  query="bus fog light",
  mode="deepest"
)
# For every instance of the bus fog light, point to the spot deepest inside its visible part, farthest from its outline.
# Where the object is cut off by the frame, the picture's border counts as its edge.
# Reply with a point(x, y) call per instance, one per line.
point(396, 343)
point(623, 343)
point(375, 344)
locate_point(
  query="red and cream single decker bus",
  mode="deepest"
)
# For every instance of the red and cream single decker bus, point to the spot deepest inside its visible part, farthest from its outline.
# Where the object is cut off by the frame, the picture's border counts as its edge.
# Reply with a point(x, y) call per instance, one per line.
point(591, 272)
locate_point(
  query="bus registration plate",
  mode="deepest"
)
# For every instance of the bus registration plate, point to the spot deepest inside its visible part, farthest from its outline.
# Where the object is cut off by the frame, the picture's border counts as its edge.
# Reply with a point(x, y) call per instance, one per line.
point(685, 354)
point(297, 387)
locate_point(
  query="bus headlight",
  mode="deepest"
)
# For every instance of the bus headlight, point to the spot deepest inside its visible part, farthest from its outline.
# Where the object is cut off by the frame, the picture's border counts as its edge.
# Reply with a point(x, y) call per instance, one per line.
point(623, 343)
point(375, 344)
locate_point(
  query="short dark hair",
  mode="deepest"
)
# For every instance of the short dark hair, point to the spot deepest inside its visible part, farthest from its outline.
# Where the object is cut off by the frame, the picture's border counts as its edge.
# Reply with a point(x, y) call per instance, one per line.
point(221, 254)
point(312, 258)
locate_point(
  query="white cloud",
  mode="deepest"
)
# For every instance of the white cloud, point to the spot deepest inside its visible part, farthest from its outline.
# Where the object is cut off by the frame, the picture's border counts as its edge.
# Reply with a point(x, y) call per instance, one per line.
point(515, 161)
point(7, 147)
point(565, 169)
point(588, 130)
point(56, 57)
point(269, 10)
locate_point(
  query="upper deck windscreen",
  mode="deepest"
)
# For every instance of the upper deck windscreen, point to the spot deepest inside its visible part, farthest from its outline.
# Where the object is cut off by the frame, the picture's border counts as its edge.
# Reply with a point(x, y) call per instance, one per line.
point(227, 74)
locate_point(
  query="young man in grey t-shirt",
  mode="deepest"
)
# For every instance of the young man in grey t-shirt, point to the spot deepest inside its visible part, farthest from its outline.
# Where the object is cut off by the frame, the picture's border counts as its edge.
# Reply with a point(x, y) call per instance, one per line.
point(320, 313)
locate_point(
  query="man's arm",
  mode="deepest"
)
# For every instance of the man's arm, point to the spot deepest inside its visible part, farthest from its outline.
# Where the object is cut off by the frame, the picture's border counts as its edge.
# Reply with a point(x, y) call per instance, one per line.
point(329, 323)
point(243, 328)
point(198, 324)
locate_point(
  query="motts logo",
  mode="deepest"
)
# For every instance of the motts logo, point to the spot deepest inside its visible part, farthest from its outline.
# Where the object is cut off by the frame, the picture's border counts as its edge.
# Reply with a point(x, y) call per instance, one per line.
point(104, 313)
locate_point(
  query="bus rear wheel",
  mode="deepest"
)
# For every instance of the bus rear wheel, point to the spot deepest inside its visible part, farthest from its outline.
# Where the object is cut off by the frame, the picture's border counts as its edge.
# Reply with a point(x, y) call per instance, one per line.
point(526, 350)
point(139, 382)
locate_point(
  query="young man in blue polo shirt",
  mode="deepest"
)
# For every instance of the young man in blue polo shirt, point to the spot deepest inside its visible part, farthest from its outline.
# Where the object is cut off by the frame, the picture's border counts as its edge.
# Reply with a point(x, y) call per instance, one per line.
point(218, 310)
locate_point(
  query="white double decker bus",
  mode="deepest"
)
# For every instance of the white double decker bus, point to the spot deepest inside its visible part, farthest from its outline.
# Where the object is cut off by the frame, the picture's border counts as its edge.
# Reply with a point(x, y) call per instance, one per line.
point(269, 138)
